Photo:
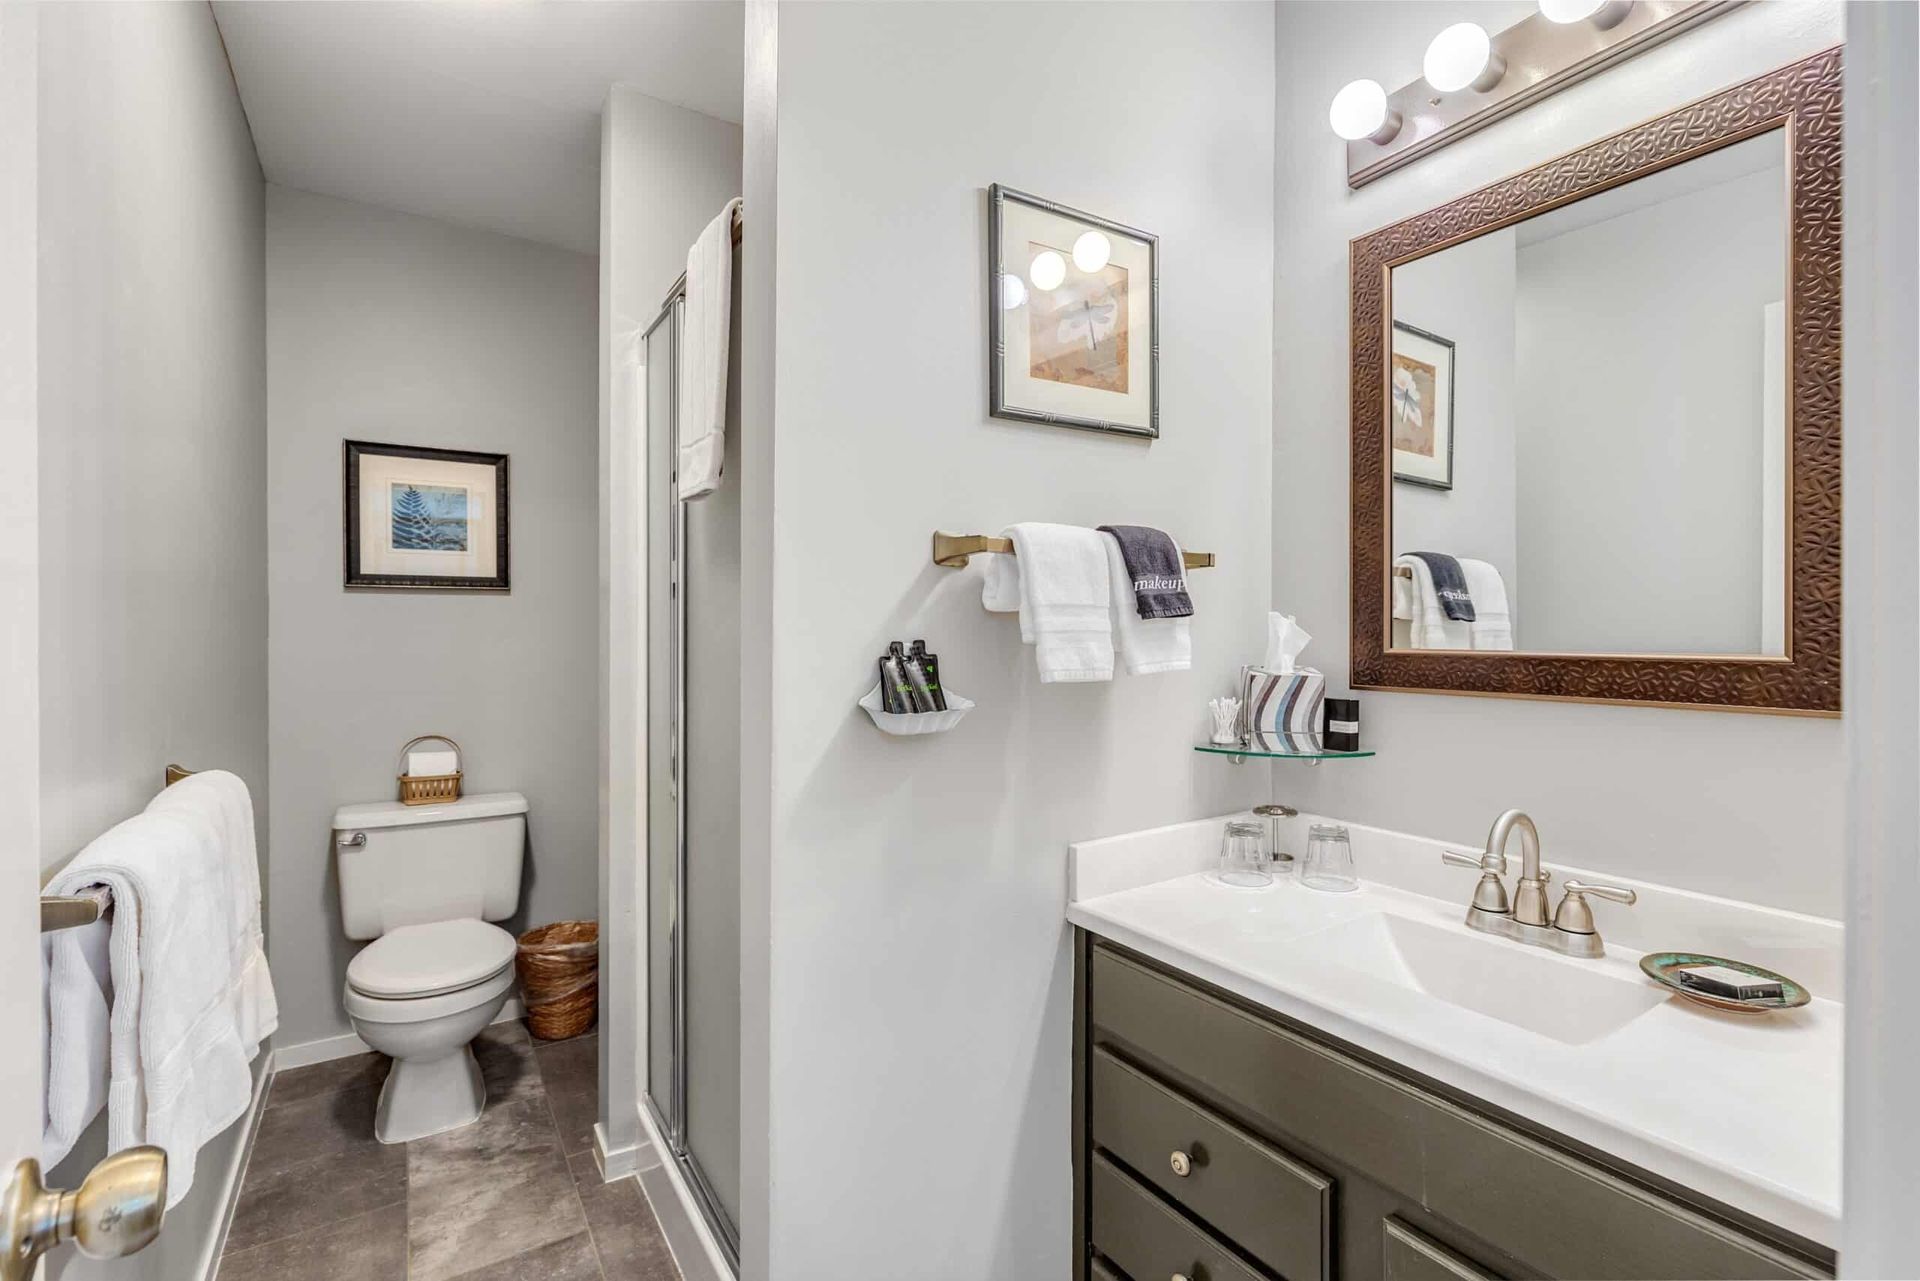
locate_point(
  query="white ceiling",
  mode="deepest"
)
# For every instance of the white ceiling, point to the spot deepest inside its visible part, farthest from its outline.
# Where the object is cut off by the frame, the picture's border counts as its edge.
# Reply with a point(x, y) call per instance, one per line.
point(481, 112)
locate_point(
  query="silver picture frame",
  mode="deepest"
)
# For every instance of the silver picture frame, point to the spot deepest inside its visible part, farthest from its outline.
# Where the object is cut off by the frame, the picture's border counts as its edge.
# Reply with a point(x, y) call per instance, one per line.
point(999, 196)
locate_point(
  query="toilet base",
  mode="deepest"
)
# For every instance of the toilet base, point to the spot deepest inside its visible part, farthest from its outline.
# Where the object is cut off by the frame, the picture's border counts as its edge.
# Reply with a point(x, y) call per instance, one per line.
point(430, 1096)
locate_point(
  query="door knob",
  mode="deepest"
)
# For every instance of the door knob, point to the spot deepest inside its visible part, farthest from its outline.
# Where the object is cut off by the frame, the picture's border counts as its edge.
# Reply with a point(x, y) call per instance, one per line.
point(115, 1211)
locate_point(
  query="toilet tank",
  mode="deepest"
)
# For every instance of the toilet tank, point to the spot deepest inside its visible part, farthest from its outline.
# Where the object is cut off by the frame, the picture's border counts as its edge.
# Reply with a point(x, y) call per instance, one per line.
point(411, 864)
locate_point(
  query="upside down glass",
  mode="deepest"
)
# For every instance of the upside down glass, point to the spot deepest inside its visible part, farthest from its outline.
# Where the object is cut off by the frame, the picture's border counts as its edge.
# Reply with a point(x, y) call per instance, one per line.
point(1329, 864)
point(1243, 856)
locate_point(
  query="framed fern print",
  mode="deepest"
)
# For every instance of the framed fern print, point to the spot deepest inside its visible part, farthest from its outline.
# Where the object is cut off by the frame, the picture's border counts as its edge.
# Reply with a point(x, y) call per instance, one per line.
point(422, 518)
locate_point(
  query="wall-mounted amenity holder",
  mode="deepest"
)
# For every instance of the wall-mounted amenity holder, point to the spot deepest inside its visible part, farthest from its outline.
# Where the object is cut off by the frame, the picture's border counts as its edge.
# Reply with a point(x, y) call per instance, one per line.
point(69, 911)
point(951, 551)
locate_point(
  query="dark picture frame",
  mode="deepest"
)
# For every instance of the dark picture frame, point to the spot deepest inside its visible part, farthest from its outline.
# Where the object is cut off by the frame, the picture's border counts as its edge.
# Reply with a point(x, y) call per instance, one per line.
point(355, 572)
point(1409, 478)
point(1003, 395)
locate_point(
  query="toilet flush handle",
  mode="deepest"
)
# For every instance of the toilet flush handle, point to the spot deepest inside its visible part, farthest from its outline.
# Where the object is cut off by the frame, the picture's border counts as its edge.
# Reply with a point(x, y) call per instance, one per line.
point(356, 839)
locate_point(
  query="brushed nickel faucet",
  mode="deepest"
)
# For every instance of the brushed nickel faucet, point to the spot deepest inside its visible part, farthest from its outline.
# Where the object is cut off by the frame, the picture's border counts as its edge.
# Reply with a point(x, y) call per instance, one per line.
point(1571, 930)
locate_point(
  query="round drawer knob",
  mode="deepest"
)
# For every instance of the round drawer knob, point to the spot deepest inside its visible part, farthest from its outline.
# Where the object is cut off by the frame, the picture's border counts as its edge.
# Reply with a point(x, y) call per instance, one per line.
point(1179, 1276)
point(1182, 1165)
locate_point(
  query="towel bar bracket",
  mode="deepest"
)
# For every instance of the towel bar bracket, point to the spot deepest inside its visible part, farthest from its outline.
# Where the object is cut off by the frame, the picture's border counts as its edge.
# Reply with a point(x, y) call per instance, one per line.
point(68, 911)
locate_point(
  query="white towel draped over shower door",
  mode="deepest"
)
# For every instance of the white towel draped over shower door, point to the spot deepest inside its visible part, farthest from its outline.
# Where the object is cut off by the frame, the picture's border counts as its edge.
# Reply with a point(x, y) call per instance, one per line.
point(703, 356)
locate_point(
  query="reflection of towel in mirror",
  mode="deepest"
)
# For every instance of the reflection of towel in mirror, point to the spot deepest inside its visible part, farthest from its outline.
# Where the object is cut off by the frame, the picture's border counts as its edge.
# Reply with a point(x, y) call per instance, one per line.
point(1429, 626)
point(1449, 585)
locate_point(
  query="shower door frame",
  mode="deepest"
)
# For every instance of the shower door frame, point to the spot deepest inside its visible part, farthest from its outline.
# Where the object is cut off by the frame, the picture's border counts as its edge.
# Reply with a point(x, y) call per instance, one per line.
point(674, 1127)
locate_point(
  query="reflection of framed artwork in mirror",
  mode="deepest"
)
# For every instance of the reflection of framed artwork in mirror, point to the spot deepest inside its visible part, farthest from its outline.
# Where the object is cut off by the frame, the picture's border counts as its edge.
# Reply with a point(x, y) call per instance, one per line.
point(1420, 407)
point(1802, 102)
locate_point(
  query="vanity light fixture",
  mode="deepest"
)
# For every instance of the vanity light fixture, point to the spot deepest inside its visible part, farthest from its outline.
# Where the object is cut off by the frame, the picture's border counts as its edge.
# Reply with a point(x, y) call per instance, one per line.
point(1474, 77)
point(1092, 251)
point(1604, 14)
point(1462, 57)
point(1047, 271)
point(1360, 110)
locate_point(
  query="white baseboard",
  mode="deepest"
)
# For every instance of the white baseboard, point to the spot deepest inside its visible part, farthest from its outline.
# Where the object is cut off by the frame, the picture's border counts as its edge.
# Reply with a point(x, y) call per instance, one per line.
point(328, 1048)
point(615, 1163)
point(236, 1175)
point(694, 1247)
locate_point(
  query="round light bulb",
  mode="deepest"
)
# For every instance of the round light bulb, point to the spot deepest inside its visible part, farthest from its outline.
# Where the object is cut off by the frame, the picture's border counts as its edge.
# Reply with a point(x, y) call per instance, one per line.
point(1462, 55)
point(1359, 110)
point(1047, 270)
point(1092, 251)
point(1013, 291)
point(1565, 11)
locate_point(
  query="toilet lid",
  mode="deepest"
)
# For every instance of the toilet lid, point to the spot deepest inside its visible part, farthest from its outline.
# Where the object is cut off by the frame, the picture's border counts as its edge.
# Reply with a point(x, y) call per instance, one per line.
point(425, 960)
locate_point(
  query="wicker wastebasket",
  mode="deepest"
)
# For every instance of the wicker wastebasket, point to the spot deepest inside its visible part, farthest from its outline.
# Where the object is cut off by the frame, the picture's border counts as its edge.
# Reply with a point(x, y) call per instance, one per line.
point(559, 968)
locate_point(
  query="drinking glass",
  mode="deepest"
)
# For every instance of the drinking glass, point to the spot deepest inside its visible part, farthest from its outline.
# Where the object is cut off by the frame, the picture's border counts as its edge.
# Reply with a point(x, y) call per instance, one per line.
point(1329, 864)
point(1243, 856)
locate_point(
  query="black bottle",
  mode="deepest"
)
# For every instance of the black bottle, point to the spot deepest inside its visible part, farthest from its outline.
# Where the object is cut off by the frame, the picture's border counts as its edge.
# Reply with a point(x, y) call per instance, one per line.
point(894, 695)
point(919, 691)
point(930, 663)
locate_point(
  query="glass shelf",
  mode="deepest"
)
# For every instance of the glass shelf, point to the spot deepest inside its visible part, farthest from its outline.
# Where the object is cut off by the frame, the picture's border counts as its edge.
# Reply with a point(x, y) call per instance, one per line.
point(1292, 748)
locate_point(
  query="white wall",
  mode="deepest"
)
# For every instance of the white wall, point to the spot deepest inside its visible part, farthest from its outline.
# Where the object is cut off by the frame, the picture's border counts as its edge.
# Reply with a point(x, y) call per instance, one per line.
point(390, 327)
point(665, 172)
point(1741, 805)
point(1640, 370)
point(1466, 294)
point(1881, 1180)
point(152, 459)
point(917, 887)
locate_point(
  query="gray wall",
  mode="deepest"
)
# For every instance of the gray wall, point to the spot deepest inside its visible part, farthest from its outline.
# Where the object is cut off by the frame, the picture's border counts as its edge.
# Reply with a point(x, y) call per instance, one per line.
point(1466, 294)
point(390, 327)
point(917, 887)
point(1650, 541)
point(1746, 806)
point(152, 459)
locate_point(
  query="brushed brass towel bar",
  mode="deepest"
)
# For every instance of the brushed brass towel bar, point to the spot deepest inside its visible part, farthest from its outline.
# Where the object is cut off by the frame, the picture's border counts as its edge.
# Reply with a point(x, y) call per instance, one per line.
point(950, 551)
point(66, 911)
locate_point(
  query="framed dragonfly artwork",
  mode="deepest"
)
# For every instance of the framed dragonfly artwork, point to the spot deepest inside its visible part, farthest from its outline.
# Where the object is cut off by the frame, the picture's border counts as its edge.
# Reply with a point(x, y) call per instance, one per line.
point(1073, 317)
point(1421, 407)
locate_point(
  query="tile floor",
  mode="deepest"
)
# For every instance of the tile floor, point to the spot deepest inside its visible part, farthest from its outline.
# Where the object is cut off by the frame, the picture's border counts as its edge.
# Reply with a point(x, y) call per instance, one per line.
point(514, 1195)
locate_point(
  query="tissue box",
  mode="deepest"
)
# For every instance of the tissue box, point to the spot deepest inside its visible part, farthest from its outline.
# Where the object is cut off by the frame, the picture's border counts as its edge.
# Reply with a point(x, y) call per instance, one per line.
point(1284, 704)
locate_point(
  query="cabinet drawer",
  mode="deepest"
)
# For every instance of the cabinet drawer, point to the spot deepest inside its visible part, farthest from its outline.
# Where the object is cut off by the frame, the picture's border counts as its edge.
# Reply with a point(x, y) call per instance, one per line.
point(1149, 1241)
point(1560, 1214)
point(1408, 1254)
point(1270, 1205)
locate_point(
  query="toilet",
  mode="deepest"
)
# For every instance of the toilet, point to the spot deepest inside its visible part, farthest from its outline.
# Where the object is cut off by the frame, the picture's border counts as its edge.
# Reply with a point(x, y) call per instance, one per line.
point(423, 882)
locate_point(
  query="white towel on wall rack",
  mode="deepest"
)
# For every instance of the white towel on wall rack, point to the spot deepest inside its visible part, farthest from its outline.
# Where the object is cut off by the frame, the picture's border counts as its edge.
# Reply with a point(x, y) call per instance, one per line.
point(1060, 582)
point(703, 358)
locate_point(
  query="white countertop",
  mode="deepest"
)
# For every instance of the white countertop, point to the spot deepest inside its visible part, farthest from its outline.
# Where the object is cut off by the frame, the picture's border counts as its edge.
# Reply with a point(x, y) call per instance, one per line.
point(1743, 1108)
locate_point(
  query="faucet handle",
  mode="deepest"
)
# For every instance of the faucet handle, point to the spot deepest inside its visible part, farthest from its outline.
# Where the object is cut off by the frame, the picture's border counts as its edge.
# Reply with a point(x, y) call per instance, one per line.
point(1489, 895)
point(1576, 916)
point(1484, 861)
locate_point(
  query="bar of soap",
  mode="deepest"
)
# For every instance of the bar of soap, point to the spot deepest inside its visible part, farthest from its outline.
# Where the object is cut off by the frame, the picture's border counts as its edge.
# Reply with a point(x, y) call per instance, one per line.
point(1733, 985)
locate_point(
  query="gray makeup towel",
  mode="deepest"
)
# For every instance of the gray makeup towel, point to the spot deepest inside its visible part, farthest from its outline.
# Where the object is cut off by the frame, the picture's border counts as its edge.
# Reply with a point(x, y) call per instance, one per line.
point(1450, 584)
point(1159, 575)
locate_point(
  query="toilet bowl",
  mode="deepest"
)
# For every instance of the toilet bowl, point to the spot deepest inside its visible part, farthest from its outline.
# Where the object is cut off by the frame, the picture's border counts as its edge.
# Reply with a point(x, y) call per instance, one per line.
point(420, 995)
point(424, 883)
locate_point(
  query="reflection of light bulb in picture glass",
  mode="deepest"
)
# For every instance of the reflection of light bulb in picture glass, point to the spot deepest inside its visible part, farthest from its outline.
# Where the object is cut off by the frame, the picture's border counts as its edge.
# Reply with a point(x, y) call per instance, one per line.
point(1092, 251)
point(1013, 291)
point(1047, 271)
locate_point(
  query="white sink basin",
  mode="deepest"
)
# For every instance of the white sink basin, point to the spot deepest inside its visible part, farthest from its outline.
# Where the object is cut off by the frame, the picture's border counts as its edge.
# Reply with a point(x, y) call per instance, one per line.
point(1542, 993)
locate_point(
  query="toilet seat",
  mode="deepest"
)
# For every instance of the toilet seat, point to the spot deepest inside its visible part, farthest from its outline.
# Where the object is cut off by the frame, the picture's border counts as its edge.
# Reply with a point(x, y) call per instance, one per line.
point(429, 960)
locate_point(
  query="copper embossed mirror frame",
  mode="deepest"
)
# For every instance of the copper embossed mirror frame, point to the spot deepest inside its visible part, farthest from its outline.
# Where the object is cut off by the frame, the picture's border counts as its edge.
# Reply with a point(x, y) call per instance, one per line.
point(1804, 99)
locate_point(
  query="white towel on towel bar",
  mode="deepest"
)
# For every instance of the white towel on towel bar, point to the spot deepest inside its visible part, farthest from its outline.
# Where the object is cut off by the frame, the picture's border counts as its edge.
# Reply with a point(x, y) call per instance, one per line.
point(1060, 583)
point(192, 998)
point(1430, 628)
point(703, 357)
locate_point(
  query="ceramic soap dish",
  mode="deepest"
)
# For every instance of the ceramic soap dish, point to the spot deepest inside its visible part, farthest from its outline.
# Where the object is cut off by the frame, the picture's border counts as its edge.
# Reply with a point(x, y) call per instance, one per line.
point(1665, 968)
point(906, 723)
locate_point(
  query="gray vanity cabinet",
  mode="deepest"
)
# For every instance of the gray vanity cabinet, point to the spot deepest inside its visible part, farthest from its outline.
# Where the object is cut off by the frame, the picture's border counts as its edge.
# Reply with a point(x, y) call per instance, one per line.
point(1219, 1142)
